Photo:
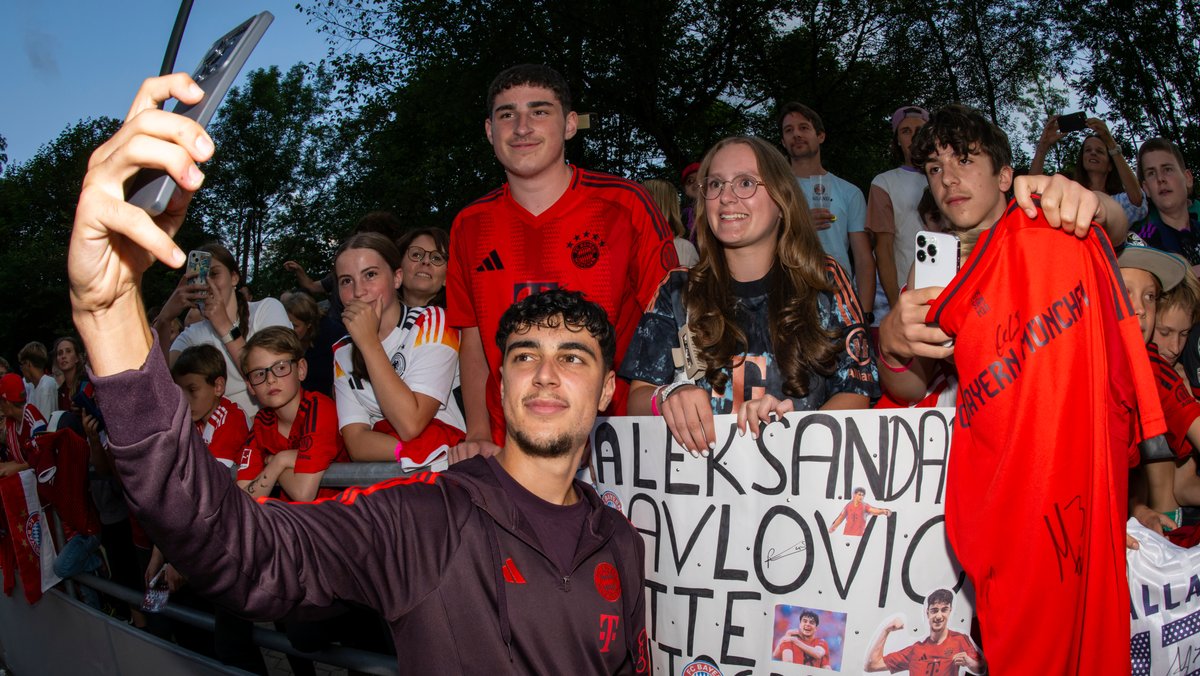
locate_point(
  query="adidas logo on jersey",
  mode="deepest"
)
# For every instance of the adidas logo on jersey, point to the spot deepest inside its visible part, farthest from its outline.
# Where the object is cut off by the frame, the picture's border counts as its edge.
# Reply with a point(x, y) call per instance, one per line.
point(492, 262)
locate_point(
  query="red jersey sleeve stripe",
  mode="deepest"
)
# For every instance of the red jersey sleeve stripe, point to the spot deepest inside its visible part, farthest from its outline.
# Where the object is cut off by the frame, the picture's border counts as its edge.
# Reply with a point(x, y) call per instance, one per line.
point(490, 197)
point(1120, 293)
point(661, 228)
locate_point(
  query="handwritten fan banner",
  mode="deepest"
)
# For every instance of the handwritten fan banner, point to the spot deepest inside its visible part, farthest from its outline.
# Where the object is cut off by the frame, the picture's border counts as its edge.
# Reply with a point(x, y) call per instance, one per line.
point(816, 544)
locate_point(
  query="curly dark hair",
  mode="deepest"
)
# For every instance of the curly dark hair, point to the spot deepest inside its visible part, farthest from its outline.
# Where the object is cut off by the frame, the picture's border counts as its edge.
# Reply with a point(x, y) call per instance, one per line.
point(964, 130)
point(559, 307)
point(808, 613)
point(534, 75)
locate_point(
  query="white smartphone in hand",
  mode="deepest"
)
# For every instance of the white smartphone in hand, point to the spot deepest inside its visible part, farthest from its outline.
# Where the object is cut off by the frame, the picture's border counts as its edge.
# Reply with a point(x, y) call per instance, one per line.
point(937, 259)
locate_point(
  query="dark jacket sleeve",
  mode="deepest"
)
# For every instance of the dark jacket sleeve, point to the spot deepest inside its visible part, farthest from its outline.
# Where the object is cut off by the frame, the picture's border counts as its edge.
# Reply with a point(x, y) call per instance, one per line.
point(384, 547)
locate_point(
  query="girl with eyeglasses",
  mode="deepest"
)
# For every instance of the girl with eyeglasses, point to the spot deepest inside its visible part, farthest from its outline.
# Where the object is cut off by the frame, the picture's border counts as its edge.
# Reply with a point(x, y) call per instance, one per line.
point(396, 374)
point(765, 323)
point(425, 254)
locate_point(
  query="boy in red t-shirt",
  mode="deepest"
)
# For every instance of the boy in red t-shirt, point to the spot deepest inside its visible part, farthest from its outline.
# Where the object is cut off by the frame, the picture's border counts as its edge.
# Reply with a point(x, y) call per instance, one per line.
point(200, 373)
point(21, 421)
point(295, 435)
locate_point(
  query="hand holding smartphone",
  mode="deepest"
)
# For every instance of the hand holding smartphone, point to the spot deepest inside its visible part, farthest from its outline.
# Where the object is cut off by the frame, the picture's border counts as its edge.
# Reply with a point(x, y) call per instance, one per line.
point(152, 189)
point(937, 259)
point(1072, 122)
point(199, 262)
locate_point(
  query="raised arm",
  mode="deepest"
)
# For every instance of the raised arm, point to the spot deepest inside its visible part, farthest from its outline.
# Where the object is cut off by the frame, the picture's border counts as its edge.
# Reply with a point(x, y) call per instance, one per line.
point(875, 660)
point(185, 499)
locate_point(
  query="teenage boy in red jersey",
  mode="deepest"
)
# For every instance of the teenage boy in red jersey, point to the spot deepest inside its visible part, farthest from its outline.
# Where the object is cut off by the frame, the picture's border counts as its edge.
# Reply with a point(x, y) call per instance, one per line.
point(21, 421)
point(295, 436)
point(943, 653)
point(200, 373)
point(1037, 482)
point(550, 226)
point(801, 645)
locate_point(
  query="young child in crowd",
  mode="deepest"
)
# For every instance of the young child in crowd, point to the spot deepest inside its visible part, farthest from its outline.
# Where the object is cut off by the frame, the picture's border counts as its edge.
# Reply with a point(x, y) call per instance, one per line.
point(1163, 291)
point(200, 373)
point(21, 422)
point(42, 392)
point(396, 374)
point(295, 435)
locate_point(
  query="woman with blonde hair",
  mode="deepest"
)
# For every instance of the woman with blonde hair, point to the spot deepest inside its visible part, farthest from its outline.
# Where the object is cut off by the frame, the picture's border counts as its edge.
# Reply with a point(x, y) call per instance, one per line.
point(765, 323)
point(668, 203)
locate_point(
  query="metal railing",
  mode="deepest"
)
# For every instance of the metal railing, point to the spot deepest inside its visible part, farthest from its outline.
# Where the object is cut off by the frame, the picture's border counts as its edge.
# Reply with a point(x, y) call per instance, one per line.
point(339, 475)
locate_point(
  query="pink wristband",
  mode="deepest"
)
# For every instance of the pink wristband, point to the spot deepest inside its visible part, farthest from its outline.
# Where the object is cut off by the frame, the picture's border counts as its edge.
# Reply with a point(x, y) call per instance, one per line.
point(894, 369)
point(399, 447)
point(654, 400)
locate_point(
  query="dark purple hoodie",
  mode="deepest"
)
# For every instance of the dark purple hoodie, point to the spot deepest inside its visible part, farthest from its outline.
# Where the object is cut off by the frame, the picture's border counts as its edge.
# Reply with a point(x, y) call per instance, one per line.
point(449, 561)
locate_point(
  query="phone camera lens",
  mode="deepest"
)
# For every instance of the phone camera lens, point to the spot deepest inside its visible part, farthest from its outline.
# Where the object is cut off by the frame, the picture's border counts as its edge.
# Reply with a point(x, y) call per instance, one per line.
point(921, 256)
point(921, 240)
point(932, 250)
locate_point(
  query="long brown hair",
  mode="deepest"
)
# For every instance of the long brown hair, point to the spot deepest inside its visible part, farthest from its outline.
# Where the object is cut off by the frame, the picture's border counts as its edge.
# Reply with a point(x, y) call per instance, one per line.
point(1112, 179)
point(798, 276)
point(79, 374)
point(391, 256)
point(667, 199)
point(222, 256)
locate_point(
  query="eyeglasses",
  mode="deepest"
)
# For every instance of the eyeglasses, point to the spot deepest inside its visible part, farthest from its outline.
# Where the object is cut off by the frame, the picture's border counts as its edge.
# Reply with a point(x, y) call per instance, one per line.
point(280, 369)
point(743, 187)
point(418, 255)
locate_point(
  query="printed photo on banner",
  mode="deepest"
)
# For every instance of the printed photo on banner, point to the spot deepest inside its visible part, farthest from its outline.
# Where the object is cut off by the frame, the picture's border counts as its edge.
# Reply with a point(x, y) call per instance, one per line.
point(795, 549)
point(813, 638)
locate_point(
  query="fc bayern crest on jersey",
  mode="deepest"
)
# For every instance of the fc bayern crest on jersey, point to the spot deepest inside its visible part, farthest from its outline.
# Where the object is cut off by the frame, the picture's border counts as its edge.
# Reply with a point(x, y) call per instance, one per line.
point(608, 583)
point(610, 499)
point(585, 249)
point(33, 531)
point(701, 668)
point(398, 363)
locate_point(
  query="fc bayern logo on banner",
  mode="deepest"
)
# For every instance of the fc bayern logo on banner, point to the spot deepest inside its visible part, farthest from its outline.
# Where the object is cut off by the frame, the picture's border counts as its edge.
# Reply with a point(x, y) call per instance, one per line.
point(701, 668)
point(610, 499)
point(33, 531)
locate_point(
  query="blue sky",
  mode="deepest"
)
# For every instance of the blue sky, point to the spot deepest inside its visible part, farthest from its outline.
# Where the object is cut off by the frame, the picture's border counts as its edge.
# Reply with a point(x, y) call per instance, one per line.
point(65, 60)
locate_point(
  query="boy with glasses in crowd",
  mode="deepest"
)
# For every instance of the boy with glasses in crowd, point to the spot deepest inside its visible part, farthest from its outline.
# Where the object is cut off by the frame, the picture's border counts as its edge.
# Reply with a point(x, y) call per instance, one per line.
point(295, 435)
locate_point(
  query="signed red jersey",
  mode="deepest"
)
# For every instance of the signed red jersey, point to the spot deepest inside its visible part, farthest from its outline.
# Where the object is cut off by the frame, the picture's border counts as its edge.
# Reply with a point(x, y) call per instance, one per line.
point(1054, 392)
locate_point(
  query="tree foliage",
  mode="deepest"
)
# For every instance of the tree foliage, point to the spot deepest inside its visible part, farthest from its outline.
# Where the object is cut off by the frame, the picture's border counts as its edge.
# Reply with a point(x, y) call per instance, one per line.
point(274, 169)
point(37, 208)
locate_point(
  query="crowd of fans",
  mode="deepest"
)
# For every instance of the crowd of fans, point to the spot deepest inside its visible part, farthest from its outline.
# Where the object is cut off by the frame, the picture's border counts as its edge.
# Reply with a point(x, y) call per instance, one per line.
point(787, 272)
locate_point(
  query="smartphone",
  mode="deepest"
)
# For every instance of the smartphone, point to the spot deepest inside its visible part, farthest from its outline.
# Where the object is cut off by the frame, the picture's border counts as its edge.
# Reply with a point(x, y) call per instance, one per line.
point(199, 262)
point(1072, 122)
point(937, 259)
point(152, 189)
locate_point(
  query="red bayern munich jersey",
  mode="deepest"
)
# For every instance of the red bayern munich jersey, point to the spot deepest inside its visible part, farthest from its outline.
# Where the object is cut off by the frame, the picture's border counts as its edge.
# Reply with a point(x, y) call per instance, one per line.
point(926, 658)
point(314, 435)
point(604, 237)
point(1054, 392)
point(224, 432)
point(1179, 406)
